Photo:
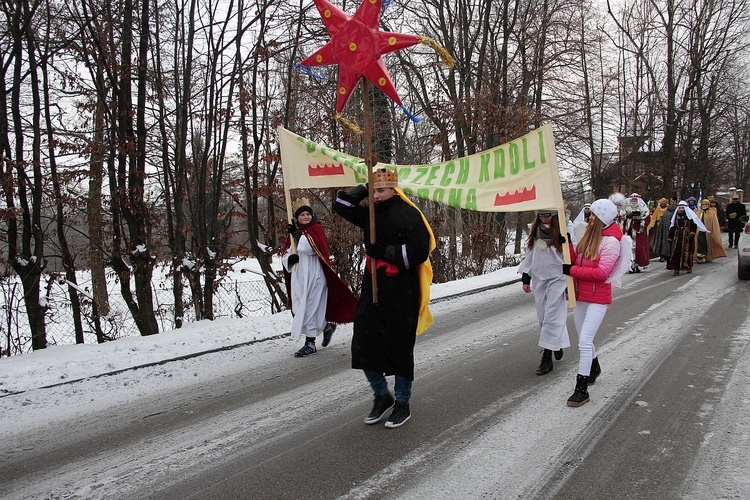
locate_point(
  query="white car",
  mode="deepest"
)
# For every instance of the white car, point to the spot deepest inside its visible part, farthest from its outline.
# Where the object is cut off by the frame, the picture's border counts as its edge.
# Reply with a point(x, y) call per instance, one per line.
point(743, 251)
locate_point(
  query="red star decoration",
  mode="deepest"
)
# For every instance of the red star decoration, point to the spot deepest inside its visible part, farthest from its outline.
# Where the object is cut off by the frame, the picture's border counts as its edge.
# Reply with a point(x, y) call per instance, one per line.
point(357, 46)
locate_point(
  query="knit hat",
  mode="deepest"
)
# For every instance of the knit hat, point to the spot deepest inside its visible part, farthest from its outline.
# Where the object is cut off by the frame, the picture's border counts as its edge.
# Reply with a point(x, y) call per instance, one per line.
point(383, 178)
point(705, 202)
point(302, 205)
point(605, 210)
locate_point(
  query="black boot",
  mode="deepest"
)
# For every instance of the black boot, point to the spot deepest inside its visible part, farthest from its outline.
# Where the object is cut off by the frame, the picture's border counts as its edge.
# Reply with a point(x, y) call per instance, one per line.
point(546, 365)
point(581, 395)
point(595, 370)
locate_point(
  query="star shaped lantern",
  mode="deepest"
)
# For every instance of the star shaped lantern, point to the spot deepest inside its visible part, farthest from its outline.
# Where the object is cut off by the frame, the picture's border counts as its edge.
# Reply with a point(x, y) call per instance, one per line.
point(357, 46)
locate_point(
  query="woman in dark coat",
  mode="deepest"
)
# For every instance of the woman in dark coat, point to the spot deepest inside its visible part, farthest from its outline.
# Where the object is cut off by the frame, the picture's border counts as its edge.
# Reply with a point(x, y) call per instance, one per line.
point(385, 333)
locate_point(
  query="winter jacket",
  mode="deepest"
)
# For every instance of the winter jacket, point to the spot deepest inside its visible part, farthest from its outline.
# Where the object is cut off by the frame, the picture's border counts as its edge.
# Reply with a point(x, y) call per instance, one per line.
point(735, 210)
point(590, 276)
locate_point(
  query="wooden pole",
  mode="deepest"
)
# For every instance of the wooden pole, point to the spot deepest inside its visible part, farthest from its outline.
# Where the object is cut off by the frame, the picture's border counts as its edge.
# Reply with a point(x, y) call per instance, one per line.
point(562, 227)
point(370, 162)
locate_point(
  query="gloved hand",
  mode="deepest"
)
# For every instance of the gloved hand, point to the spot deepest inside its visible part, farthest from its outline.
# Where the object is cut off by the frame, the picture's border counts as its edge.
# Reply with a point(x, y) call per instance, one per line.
point(375, 250)
point(562, 239)
point(566, 269)
point(357, 193)
point(293, 259)
point(291, 228)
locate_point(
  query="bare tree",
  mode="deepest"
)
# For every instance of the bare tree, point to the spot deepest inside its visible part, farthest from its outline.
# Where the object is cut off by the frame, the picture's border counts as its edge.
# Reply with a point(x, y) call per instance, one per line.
point(23, 180)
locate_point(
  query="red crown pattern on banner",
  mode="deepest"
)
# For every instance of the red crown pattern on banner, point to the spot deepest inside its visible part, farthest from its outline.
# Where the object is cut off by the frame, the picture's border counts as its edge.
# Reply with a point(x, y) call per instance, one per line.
point(325, 170)
point(516, 197)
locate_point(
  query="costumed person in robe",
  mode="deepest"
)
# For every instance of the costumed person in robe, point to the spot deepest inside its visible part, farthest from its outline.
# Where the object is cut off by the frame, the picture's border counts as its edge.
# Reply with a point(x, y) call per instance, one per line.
point(653, 228)
point(541, 273)
point(600, 259)
point(684, 225)
point(663, 243)
point(735, 211)
point(708, 245)
point(385, 331)
point(635, 220)
point(319, 298)
point(580, 223)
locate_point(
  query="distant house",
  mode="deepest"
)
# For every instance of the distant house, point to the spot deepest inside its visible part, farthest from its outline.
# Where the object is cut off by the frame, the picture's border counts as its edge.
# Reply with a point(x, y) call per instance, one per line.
point(636, 168)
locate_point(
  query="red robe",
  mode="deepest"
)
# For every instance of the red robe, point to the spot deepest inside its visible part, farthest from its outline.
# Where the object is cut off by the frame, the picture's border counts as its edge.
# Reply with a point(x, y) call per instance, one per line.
point(642, 251)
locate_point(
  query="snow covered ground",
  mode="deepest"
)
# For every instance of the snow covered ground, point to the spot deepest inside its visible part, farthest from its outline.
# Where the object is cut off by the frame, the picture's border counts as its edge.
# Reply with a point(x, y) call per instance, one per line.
point(63, 364)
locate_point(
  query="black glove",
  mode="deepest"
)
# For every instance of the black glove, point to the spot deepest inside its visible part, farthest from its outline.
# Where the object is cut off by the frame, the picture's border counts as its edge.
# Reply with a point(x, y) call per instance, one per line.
point(525, 279)
point(357, 193)
point(566, 269)
point(291, 228)
point(293, 259)
point(562, 239)
point(375, 250)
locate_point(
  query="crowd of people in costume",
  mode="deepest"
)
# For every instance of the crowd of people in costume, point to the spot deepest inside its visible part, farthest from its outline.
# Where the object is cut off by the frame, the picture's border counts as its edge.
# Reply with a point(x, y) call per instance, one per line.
point(609, 238)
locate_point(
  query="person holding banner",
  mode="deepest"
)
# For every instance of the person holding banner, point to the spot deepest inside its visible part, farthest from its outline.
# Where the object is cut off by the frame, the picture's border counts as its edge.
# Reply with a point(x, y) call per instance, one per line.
point(541, 264)
point(319, 299)
point(385, 329)
point(601, 258)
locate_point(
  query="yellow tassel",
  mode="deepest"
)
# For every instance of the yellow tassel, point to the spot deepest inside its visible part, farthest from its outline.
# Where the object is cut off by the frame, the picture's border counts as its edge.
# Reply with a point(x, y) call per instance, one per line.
point(441, 51)
point(351, 126)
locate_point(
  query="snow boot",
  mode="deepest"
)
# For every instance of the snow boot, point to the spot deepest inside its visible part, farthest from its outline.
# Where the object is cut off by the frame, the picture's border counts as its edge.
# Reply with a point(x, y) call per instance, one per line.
point(595, 370)
point(546, 365)
point(581, 395)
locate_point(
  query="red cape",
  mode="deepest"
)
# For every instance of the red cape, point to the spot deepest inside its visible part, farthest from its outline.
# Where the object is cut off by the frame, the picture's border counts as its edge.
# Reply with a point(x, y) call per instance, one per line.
point(342, 303)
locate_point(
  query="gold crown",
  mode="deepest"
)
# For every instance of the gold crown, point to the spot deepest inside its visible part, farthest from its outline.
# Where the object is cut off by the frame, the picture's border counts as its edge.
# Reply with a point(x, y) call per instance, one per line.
point(383, 178)
point(301, 203)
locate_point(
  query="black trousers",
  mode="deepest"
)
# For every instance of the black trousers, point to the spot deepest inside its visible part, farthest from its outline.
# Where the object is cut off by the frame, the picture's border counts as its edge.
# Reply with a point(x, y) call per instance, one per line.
point(734, 233)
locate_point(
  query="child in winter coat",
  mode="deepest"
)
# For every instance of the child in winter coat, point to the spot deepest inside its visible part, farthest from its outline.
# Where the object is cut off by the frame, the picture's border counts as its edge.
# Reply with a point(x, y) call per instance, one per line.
point(602, 256)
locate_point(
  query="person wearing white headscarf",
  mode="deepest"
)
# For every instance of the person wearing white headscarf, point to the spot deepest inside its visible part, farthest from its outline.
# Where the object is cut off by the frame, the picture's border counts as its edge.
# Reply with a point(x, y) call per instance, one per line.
point(684, 225)
point(580, 223)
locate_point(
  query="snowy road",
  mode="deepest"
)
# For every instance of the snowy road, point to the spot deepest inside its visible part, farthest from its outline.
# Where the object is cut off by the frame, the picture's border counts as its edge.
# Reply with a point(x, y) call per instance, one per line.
point(667, 417)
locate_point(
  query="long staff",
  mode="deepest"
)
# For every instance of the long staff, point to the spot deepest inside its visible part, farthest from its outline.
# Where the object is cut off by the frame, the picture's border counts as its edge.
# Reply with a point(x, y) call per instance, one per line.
point(370, 162)
point(566, 256)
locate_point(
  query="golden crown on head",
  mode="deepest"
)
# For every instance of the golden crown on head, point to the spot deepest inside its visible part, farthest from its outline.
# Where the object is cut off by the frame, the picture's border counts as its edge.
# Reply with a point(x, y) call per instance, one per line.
point(301, 203)
point(384, 178)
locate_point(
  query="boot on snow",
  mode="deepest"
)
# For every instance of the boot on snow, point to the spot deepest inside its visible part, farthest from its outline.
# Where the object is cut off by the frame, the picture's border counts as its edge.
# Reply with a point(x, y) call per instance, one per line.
point(581, 395)
point(546, 365)
point(595, 370)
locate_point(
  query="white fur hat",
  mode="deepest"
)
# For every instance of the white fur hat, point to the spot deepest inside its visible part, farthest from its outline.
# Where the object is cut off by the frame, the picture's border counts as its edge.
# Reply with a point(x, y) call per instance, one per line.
point(605, 210)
